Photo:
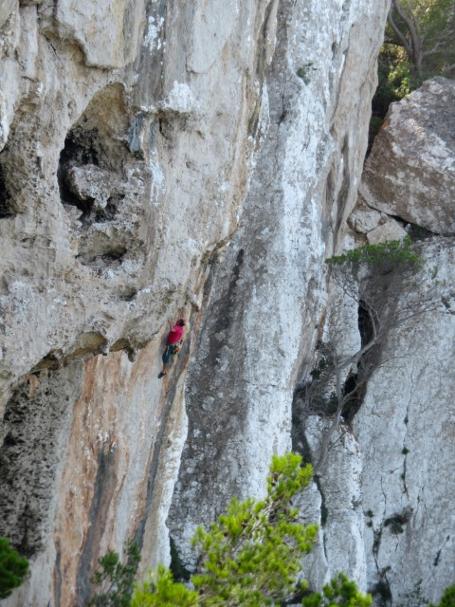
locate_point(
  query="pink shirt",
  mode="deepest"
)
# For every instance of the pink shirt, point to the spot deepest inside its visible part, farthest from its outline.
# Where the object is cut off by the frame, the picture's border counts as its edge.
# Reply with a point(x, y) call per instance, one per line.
point(175, 334)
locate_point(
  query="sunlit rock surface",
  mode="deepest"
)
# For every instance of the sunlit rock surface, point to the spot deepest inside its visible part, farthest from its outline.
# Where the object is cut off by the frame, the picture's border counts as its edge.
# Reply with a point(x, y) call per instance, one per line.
point(411, 169)
point(200, 159)
point(122, 169)
point(404, 431)
point(266, 296)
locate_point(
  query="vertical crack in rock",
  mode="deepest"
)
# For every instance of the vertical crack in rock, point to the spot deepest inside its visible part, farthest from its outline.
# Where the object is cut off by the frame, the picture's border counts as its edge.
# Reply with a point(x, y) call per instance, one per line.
point(324, 515)
point(356, 383)
point(405, 452)
point(381, 590)
point(171, 381)
point(151, 59)
point(203, 403)
point(104, 486)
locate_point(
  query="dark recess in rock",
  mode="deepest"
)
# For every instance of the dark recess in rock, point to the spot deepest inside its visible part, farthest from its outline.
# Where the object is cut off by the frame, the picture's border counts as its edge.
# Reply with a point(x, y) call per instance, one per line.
point(396, 522)
point(114, 255)
point(97, 140)
point(179, 571)
point(79, 150)
point(355, 386)
point(34, 419)
point(6, 206)
point(382, 594)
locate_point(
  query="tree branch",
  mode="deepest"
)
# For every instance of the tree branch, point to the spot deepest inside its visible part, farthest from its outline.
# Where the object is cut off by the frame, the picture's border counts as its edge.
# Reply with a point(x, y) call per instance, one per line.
point(401, 39)
point(414, 48)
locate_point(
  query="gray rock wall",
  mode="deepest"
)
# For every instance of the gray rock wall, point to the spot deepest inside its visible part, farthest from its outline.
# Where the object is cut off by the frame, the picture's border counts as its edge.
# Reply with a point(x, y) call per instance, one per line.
point(266, 295)
point(160, 159)
point(404, 431)
point(126, 140)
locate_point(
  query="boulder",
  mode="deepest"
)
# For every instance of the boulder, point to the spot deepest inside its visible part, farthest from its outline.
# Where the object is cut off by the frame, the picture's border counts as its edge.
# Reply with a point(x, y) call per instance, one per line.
point(363, 219)
point(390, 230)
point(410, 172)
point(377, 227)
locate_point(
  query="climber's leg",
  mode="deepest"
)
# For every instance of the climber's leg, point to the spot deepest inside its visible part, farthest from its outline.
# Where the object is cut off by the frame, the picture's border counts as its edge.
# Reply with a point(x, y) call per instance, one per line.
point(165, 358)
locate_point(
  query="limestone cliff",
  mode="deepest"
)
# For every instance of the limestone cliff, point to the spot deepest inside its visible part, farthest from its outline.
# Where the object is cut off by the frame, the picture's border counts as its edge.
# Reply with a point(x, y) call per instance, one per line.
point(201, 159)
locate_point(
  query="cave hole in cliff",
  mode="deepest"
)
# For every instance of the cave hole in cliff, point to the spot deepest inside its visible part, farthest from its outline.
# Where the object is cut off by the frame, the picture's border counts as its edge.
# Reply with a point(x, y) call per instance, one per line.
point(34, 425)
point(78, 151)
point(92, 161)
point(179, 571)
point(355, 385)
point(365, 323)
point(111, 255)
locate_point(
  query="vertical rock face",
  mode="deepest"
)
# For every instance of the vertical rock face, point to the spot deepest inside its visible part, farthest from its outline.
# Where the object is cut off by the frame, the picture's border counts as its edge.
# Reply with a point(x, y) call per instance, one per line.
point(265, 296)
point(125, 142)
point(200, 159)
point(386, 481)
point(404, 431)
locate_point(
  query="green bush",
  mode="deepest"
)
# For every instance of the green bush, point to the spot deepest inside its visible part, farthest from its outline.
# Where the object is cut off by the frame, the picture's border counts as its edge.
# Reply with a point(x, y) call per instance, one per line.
point(251, 556)
point(13, 568)
point(448, 598)
point(114, 579)
point(392, 253)
point(340, 592)
point(162, 591)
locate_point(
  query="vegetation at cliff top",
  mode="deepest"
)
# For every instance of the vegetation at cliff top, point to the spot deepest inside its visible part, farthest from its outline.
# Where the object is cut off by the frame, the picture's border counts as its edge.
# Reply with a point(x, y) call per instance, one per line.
point(13, 568)
point(419, 44)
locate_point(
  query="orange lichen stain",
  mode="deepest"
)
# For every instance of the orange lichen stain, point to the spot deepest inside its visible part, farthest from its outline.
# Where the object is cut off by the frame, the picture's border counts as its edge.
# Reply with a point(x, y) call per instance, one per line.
point(102, 490)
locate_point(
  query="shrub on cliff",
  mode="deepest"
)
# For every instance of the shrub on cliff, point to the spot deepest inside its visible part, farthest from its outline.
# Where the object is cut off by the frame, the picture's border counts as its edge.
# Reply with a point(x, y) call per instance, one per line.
point(114, 580)
point(448, 598)
point(391, 254)
point(251, 556)
point(13, 568)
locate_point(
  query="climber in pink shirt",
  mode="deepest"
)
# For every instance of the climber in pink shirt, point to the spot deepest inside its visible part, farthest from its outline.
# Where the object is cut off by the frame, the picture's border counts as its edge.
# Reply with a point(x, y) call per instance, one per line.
point(173, 344)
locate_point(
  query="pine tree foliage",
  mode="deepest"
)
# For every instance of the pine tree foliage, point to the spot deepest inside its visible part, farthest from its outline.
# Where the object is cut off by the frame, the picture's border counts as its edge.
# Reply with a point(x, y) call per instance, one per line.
point(252, 555)
point(13, 568)
point(114, 579)
point(448, 598)
point(162, 591)
point(340, 592)
point(391, 253)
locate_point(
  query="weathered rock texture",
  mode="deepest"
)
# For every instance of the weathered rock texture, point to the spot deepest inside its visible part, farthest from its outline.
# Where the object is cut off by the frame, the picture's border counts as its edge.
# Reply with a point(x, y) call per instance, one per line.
point(405, 430)
point(199, 159)
point(411, 169)
point(126, 135)
point(265, 298)
point(387, 475)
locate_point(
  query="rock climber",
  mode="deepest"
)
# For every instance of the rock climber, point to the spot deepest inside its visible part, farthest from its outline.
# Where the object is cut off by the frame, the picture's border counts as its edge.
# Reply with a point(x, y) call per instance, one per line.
point(173, 344)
